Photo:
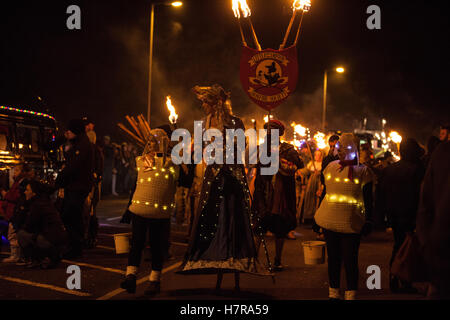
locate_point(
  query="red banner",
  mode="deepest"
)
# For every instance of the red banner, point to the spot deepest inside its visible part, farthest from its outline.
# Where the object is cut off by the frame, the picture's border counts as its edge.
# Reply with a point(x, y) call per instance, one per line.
point(269, 76)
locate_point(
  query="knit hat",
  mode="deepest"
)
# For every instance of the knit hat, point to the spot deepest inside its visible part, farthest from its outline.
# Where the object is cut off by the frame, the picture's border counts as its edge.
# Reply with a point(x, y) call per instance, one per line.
point(77, 126)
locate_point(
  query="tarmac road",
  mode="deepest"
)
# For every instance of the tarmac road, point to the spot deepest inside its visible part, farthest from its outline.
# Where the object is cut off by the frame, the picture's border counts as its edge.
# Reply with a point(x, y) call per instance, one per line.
point(102, 270)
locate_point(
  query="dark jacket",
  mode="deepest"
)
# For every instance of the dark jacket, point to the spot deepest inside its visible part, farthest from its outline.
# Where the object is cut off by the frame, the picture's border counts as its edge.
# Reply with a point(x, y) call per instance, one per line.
point(399, 192)
point(78, 173)
point(433, 218)
point(44, 219)
point(21, 209)
point(8, 204)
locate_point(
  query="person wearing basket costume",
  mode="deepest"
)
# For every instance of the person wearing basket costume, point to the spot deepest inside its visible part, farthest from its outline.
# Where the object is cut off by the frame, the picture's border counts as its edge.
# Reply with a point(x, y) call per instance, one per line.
point(345, 214)
point(150, 209)
point(221, 239)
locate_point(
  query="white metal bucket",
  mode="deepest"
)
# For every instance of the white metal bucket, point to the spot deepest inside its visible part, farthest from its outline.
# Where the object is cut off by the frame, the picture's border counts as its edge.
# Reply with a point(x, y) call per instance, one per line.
point(314, 252)
point(122, 242)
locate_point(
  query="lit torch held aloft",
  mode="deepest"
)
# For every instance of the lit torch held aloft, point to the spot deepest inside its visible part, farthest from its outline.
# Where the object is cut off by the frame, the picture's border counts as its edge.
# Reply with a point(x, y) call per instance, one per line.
point(173, 115)
point(297, 5)
point(319, 137)
point(241, 5)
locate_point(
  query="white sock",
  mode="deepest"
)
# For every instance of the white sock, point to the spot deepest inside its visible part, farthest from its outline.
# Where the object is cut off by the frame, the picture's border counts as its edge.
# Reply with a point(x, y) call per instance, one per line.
point(155, 276)
point(334, 293)
point(350, 295)
point(131, 270)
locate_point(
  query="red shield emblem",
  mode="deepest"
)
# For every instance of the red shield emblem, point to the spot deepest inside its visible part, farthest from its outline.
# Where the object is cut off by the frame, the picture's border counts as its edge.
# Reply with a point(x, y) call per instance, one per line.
point(269, 76)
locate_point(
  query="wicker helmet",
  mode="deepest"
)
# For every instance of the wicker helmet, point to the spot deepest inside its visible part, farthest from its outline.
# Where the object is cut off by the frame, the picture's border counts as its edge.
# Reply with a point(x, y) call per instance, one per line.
point(348, 144)
point(160, 137)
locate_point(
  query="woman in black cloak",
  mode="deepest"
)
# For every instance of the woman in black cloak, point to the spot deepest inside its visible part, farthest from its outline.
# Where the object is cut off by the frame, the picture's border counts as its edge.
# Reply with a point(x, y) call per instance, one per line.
point(222, 238)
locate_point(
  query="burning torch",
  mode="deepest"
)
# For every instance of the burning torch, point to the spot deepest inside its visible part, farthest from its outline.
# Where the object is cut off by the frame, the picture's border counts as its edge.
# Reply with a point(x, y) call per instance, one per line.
point(396, 138)
point(173, 116)
point(241, 5)
point(304, 6)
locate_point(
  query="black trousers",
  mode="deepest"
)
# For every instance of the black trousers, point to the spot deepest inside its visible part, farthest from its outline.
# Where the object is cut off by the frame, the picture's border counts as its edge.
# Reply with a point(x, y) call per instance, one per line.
point(342, 248)
point(37, 247)
point(399, 232)
point(72, 217)
point(158, 231)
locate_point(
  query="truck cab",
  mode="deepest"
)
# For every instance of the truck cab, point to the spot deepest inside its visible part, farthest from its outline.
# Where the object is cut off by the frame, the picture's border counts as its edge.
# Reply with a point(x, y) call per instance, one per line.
point(27, 137)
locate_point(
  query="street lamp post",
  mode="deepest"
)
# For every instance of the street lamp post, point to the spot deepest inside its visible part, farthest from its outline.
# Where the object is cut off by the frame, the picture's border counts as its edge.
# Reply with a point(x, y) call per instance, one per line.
point(150, 56)
point(325, 83)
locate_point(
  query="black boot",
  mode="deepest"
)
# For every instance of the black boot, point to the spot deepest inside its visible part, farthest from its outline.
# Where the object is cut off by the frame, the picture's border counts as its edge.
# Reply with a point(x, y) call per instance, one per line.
point(129, 284)
point(394, 284)
point(153, 288)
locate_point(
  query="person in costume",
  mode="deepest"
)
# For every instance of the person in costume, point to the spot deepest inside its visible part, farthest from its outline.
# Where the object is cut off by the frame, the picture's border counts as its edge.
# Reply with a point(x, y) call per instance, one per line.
point(221, 239)
point(312, 175)
point(274, 201)
point(150, 209)
point(345, 214)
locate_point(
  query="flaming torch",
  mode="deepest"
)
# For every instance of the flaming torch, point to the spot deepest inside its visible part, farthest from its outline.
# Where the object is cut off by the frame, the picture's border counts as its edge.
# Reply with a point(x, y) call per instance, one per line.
point(396, 138)
point(266, 118)
point(304, 6)
point(241, 5)
point(319, 137)
point(173, 115)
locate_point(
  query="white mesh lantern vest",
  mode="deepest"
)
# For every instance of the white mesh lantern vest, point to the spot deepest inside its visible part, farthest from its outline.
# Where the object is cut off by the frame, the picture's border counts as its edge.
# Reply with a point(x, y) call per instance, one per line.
point(342, 210)
point(155, 190)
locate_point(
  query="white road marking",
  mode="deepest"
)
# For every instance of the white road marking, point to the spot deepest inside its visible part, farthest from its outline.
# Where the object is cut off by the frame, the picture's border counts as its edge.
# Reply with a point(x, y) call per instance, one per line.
point(115, 218)
point(46, 286)
point(93, 266)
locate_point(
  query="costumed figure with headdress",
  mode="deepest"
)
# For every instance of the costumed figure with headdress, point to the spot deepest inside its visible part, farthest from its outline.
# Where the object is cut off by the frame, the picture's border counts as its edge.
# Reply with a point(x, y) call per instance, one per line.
point(150, 209)
point(274, 201)
point(222, 239)
point(345, 214)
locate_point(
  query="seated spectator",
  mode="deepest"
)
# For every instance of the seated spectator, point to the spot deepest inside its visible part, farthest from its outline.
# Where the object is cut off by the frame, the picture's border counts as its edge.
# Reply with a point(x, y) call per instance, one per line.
point(43, 235)
point(8, 206)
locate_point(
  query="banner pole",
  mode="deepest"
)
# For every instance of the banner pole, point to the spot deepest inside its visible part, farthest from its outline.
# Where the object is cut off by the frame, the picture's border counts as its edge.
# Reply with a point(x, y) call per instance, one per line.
point(298, 30)
point(283, 44)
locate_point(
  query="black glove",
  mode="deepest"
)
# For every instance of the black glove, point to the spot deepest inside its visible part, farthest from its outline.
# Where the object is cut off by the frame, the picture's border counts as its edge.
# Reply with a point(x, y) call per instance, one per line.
point(366, 229)
point(315, 227)
point(126, 218)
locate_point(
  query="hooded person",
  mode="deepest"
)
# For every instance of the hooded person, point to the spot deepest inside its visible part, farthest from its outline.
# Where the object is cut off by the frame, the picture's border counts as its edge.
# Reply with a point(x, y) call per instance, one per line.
point(76, 178)
point(150, 209)
point(221, 238)
point(345, 214)
point(399, 190)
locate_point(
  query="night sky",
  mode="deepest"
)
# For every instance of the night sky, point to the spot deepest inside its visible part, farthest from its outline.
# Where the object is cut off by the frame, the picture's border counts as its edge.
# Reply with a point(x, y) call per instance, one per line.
point(399, 72)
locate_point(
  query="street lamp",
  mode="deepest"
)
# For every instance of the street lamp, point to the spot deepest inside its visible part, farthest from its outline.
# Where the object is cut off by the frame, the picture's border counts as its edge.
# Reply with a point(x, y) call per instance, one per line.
point(150, 57)
point(325, 80)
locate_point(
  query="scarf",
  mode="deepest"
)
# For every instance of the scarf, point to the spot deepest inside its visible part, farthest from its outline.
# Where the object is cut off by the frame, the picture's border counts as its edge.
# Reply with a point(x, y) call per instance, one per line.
point(350, 164)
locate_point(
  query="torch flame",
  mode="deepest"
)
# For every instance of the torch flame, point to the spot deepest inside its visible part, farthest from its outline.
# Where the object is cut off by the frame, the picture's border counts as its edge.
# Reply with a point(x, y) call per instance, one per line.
point(266, 118)
point(304, 5)
point(300, 130)
point(395, 137)
point(242, 4)
point(173, 115)
point(320, 140)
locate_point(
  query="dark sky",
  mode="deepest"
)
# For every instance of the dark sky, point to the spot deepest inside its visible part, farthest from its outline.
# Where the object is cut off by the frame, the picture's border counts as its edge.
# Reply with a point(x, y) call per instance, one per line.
point(398, 72)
